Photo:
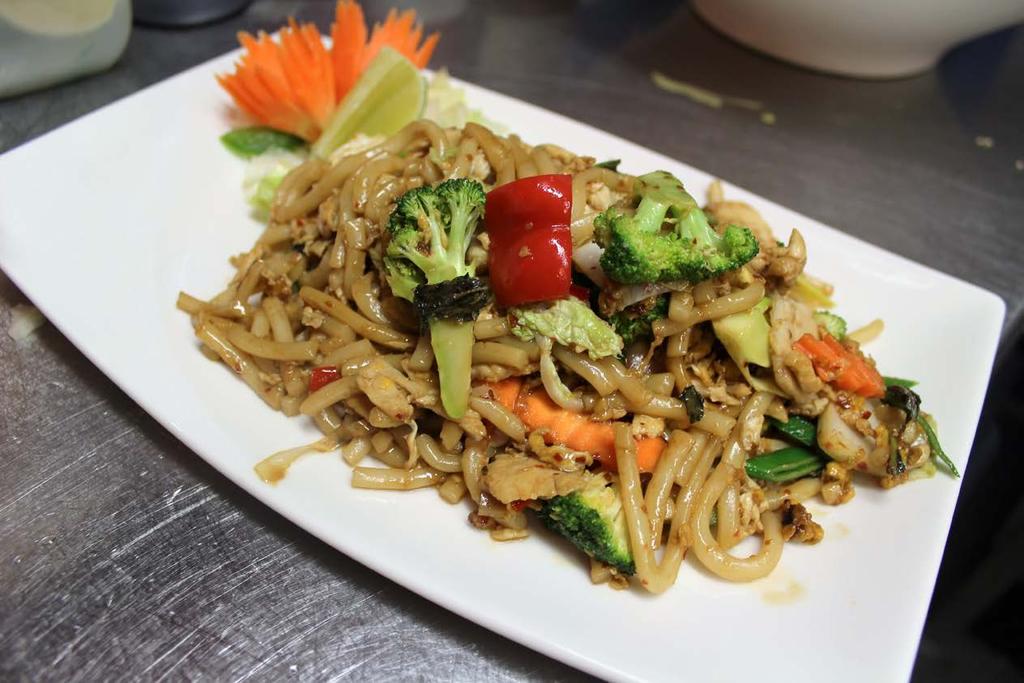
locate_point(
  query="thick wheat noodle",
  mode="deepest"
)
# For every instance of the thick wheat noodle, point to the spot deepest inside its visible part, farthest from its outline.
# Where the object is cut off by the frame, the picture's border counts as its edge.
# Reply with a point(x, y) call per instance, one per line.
point(728, 511)
point(464, 157)
point(361, 349)
point(378, 206)
point(366, 177)
point(251, 280)
point(433, 455)
point(274, 235)
point(595, 374)
point(728, 304)
point(395, 479)
point(352, 366)
point(217, 341)
point(298, 182)
point(530, 348)
point(614, 181)
point(496, 151)
point(491, 328)
point(496, 353)
point(273, 468)
point(474, 459)
point(367, 301)
point(715, 422)
point(337, 309)
point(355, 265)
point(660, 383)
point(714, 556)
point(328, 395)
point(524, 163)
point(422, 358)
point(543, 161)
point(290, 405)
point(690, 489)
point(430, 131)
point(451, 435)
point(667, 407)
point(317, 277)
point(678, 509)
point(501, 417)
point(626, 382)
point(680, 449)
point(703, 293)
point(747, 429)
point(328, 422)
point(355, 450)
point(305, 198)
point(680, 308)
point(452, 489)
point(654, 577)
point(280, 326)
point(265, 348)
point(795, 492)
point(260, 326)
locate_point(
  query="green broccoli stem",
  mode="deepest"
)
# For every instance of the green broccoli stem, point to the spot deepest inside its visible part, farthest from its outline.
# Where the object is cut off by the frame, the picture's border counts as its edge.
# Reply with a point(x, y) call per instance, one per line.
point(453, 350)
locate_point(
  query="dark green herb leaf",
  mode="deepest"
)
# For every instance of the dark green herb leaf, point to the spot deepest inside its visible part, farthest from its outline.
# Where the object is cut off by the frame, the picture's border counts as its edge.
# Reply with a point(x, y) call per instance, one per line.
point(799, 429)
point(905, 399)
point(694, 403)
point(611, 164)
point(250, 142)
point(896, 464)
point(786, 464)
point(458, 299)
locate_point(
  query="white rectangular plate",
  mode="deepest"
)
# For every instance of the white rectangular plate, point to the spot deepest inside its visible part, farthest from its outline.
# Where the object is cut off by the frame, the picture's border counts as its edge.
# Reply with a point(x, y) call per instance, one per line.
point(105, 219)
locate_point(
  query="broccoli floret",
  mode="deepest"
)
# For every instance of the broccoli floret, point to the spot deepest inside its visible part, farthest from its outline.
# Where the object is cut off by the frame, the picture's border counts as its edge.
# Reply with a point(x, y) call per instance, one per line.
point(832, 323)
point(592, 519)
point(634, 323)
point(429, 233)
point(668, 237)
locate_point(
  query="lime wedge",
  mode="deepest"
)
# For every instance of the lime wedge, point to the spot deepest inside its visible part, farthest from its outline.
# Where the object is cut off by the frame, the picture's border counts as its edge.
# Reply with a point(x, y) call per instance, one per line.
point(390, 94)
point(57, 17)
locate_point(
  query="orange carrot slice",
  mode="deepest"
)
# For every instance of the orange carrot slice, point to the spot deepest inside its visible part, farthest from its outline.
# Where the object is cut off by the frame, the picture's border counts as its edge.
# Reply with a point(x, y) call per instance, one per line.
point(348, 38)
point(836, 364)
point(574, 430)
point(296, 84)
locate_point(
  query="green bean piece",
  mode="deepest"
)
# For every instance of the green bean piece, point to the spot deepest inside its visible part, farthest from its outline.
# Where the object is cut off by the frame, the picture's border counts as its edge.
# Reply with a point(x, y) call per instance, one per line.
point(936, 447)
point(899, 382)
point(798, 429)
point(785, 464)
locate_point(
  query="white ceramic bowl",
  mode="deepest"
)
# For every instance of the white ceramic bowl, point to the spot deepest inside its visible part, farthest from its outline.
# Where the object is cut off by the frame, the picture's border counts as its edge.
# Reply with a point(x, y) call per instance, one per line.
point(861, 38)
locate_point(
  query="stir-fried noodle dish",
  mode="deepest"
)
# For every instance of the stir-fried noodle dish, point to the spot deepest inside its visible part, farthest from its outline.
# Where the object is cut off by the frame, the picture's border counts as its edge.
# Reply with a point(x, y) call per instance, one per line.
point(550, 341)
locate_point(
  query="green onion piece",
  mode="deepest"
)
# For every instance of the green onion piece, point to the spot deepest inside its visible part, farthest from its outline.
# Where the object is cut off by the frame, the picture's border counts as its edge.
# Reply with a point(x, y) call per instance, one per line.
point(799, 429)
point(898, 382)
point(611, 164)
point(786, 464)
point(255, 140)
point(936, 447)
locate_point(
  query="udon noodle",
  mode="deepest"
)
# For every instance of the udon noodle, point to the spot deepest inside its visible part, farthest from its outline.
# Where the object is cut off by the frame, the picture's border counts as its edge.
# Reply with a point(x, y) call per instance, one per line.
point(310, 294)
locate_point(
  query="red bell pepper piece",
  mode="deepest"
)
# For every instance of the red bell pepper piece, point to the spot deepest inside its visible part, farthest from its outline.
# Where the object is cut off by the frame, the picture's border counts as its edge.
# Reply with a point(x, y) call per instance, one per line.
point(322, 376)
point(531, 246)
point(580, 292)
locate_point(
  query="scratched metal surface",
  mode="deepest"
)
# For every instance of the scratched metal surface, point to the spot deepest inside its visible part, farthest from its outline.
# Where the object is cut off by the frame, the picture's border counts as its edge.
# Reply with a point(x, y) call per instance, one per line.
point(123, 555)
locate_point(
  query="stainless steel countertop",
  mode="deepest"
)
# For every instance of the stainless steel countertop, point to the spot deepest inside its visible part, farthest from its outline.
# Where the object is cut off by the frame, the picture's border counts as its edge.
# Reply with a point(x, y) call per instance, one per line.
point(125, 555)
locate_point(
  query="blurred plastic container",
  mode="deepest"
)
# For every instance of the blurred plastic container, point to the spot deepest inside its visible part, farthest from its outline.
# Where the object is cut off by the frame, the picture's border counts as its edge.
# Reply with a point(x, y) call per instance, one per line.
point(43, 42)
